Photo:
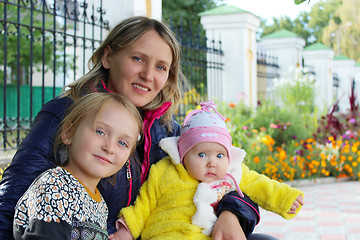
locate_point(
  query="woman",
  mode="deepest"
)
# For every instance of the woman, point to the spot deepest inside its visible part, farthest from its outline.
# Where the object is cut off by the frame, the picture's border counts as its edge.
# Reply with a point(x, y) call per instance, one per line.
point(140, 60)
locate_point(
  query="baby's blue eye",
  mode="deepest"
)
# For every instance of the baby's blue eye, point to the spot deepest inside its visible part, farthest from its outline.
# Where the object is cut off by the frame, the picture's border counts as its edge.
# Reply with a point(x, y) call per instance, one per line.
point(137, 59)
point(220, 155)
point(202, 155)
point(100, 132)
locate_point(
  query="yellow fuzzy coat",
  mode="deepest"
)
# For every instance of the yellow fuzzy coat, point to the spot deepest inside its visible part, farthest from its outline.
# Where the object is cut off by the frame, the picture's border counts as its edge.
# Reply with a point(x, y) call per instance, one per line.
point(164, 207)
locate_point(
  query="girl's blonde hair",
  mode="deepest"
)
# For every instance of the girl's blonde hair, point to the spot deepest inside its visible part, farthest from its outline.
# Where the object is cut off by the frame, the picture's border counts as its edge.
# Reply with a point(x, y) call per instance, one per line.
point(91, 103)
point(120, 37)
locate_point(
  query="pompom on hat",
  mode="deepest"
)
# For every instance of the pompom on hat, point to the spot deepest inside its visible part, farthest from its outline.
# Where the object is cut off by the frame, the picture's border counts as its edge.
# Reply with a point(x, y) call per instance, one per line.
point(203, 125)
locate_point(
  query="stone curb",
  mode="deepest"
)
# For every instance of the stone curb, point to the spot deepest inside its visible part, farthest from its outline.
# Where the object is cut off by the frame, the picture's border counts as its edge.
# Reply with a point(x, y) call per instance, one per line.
point(310, 182)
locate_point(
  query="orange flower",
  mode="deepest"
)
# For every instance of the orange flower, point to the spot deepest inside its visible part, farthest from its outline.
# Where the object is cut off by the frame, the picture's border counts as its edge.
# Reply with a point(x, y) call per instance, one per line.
point(227, 120)
point(282, 155)
point(256, 159)
point(232, 105)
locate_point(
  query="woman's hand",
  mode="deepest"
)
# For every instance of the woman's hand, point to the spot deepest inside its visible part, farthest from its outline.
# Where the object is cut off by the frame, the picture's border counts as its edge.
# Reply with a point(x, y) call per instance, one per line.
point(227, 227)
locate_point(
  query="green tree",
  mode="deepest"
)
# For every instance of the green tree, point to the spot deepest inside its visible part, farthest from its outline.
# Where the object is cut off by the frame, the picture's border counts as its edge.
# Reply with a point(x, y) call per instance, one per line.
point(308, 25)
point(185, 12)
point(320, 15)
point(29, 42)
point(342, 33)
point(298, 26)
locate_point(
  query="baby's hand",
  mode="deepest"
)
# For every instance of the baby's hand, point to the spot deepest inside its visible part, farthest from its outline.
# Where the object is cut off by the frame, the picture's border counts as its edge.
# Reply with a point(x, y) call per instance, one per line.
point(299, 201)
point(121, 234)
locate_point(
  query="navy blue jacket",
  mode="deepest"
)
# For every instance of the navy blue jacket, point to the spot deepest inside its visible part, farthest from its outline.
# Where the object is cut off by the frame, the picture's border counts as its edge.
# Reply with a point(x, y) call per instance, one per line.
point(35, 155)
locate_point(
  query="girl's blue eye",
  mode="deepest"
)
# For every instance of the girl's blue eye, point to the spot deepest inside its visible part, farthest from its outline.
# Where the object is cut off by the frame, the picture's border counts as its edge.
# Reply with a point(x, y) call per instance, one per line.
point(202, 155)
point(122, 143)
point(220, 155)
point(100, 132)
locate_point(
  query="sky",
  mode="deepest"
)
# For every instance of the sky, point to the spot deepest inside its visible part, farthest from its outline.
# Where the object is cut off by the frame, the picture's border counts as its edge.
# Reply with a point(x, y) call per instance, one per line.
point(272, 8)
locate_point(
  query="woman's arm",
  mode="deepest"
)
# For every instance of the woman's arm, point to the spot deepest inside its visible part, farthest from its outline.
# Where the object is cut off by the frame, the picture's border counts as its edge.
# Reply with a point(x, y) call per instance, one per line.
point(42, 230)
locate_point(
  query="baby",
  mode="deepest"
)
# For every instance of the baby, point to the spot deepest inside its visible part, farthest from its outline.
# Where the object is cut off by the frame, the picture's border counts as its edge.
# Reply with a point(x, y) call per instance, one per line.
point(180, 197)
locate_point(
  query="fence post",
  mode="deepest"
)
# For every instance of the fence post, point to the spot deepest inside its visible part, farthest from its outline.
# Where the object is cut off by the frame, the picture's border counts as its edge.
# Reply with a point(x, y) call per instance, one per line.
point(236, 28)
point(287, 46)
point(320, 57)
point(344, 67)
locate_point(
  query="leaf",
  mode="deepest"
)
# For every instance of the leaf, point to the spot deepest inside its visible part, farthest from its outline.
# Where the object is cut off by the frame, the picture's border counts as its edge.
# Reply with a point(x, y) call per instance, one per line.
point(297, 2)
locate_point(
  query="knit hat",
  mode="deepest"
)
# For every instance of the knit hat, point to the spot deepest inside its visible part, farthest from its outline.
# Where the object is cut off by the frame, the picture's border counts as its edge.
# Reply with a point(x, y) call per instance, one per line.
point(203, 125)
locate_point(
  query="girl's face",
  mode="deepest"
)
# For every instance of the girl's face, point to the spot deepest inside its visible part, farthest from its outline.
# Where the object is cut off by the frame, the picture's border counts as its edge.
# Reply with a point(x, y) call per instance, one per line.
point(140, 71)
point(207, 161)
point(101, 144)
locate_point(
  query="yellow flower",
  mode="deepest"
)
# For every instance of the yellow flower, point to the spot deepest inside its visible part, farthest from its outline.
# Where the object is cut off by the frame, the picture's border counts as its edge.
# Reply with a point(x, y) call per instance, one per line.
point(323, 164)
point(354, 149)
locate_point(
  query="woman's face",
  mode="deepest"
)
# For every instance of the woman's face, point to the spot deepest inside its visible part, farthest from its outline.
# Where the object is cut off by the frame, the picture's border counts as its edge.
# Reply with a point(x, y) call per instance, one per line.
point(140, 71)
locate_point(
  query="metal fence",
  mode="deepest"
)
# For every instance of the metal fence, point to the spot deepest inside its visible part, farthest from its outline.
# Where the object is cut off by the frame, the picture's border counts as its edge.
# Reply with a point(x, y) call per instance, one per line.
point(43, 45)
point(267, 71)
point(202, 64)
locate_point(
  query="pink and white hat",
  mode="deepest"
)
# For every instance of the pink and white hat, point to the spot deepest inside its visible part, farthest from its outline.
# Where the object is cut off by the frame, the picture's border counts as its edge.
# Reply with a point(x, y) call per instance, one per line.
point(203, 125)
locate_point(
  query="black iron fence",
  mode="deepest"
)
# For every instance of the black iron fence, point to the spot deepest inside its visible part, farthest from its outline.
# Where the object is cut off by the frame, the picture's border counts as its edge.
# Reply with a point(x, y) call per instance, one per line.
point(43, 46)
point(201, 63)
point(267, 71)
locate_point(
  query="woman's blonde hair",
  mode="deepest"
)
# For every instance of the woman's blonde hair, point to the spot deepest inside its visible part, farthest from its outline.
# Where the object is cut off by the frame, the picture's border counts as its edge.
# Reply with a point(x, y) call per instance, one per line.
point(120, 37)
point(91, 103)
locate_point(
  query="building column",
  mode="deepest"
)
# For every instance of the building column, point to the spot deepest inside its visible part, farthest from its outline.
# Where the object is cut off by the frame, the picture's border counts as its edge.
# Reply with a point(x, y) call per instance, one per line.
point(320, 58)
point(287, 46)
point(236, 29)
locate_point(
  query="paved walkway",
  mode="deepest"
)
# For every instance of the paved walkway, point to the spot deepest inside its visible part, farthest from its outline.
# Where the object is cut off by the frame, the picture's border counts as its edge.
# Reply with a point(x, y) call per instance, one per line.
point(331, 211)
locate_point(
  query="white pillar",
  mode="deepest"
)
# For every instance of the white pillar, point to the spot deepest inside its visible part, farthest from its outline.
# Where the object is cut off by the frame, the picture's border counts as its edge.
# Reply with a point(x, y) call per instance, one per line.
point(320, 58)
point(236, 29)
point(357, 80)
point(344, 67)
point(287, 46)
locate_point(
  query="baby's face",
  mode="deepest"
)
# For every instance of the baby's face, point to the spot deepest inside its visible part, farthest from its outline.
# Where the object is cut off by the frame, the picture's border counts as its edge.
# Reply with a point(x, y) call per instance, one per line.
point(207, 161)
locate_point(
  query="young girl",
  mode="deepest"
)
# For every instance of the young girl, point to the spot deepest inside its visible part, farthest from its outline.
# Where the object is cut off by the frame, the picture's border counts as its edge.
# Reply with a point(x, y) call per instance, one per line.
point(98, 135)
point(179, 199)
